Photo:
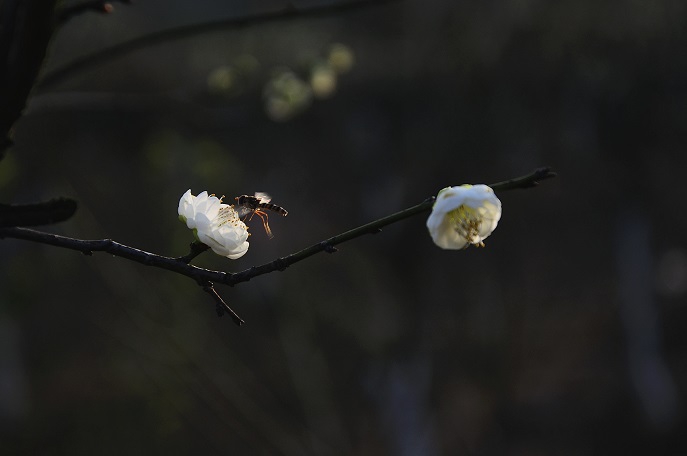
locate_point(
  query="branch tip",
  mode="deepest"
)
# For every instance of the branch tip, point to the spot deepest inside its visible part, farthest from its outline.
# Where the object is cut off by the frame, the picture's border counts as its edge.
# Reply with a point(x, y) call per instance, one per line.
point(524, 182)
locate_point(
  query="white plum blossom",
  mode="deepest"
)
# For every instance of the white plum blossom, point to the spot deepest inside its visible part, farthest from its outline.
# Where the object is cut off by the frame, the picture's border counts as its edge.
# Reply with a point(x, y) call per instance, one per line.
point(464, 215)
point(215, 224)
point(198, 211)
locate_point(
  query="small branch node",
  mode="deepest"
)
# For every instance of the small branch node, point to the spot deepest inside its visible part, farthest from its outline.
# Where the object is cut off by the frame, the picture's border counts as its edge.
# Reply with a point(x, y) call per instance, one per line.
point(327, 247)
point(196, 249)
point(280, 264)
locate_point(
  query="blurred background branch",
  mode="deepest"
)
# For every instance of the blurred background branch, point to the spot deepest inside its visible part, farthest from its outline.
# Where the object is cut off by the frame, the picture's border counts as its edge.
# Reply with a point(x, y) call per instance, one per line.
point(290, 11)
point(45, 213)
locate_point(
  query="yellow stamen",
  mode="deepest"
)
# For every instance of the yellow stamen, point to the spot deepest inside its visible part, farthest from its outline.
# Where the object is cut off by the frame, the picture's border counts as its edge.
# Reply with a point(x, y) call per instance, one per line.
point(228, 215)
point(466, 222)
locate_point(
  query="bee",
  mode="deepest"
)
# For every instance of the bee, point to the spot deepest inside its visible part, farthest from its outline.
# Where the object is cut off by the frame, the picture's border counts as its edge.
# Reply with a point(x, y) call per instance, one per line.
point(247, 206)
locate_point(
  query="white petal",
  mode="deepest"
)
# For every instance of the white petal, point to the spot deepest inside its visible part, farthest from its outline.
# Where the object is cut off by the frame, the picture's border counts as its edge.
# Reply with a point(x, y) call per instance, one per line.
point(239, 251)
point(186, 204)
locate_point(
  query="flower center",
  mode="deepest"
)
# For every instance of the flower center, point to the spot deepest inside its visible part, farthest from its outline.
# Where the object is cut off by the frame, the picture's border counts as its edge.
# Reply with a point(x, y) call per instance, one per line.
point(466, 223)
point(228, 214)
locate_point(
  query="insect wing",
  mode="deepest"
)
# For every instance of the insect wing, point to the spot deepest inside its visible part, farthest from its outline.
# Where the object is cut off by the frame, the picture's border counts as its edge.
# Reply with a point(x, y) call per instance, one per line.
point(243, 210)
point(263, 197)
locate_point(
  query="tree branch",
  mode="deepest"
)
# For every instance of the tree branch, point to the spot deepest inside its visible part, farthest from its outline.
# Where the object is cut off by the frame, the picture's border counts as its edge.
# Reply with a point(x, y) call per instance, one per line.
point(528, 181)
point(87, 247)
point(206, 277)
point(181, 264)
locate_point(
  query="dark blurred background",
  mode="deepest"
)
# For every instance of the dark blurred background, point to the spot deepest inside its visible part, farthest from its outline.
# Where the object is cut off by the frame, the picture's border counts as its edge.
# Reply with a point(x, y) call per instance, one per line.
point(564, 336)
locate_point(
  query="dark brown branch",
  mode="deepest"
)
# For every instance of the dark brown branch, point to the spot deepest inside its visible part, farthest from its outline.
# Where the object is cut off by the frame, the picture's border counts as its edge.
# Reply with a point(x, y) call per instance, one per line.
point(87, 247)
point(177, 33)
point(181, 266)
point(206, 277)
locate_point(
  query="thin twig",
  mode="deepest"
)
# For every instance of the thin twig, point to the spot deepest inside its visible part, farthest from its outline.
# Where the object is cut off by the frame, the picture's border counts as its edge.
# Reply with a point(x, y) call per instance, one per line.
point(529, 181)
point(222, 306)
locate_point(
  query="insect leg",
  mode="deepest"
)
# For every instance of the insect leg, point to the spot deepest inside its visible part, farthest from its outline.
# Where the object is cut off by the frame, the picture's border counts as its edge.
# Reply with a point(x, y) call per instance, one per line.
point(263, 216)
point(248, 217)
